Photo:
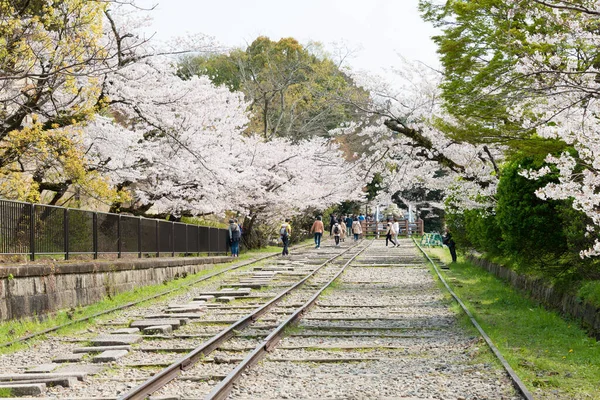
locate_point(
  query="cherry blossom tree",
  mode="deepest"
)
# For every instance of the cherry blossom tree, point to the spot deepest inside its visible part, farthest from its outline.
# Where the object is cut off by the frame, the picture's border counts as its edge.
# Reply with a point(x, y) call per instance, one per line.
point(404, 145)
point(56, 64)
point(563, 102)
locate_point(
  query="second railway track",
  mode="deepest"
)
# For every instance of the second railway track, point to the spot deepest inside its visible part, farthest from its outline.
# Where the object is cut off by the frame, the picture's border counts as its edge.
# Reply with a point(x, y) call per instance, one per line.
point(384, 330)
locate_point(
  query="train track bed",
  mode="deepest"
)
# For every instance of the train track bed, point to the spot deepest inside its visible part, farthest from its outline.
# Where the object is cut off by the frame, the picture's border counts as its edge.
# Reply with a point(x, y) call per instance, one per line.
point(142, 341)
point(199, 380)
point(384, 331)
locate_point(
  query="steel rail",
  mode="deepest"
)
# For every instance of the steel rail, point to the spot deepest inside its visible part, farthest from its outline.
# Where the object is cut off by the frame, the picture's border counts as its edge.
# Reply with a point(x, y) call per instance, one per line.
point(134, 303)
point(513, 375)
point(171, 372)
point(222, 390)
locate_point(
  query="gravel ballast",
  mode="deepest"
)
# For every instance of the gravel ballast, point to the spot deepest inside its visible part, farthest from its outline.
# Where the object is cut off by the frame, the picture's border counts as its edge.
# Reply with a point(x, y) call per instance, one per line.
point(436, 359)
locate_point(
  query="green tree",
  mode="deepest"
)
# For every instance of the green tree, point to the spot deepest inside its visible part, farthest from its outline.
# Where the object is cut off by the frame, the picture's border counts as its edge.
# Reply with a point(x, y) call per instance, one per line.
point(480, 43)
point(293, 92)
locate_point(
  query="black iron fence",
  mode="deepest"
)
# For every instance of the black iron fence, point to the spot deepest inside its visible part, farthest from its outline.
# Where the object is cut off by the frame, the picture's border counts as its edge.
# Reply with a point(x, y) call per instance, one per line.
point(37, 229)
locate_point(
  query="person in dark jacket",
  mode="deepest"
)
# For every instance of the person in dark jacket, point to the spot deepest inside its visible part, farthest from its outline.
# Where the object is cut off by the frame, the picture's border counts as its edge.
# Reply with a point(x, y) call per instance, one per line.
point(349, 222)
point(235, 235)
point(448, 241)
point(332, 221)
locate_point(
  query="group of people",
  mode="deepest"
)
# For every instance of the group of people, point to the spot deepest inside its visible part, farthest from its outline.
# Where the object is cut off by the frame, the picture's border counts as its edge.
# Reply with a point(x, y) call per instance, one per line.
point(344, 226)
point(392, 230)
point(339, 228)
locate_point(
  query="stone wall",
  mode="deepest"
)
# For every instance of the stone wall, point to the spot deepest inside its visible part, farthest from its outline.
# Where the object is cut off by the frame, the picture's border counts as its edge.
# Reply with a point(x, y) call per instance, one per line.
point(30, 290)
point(540, 290)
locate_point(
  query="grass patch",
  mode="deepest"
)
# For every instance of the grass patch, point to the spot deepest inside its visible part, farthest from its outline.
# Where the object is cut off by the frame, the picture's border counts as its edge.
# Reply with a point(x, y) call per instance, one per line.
point(15, 329)
point(554, 357)
point(590, 292)
point(292, 329)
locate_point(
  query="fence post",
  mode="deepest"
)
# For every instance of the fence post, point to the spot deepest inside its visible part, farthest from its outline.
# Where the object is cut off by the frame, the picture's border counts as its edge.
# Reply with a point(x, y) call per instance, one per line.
point(139, 233)
point(198, 229)
point(157, 239)
point(95, 234)
point(172, 239)
point(66, 232)
point(187, 245)
point(32, 232)
point(119, 248)
point(209, 237)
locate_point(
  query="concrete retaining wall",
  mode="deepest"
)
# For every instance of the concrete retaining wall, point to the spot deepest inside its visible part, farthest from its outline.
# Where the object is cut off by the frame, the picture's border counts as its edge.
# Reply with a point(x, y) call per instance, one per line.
point(30, 290)
point(539, 290)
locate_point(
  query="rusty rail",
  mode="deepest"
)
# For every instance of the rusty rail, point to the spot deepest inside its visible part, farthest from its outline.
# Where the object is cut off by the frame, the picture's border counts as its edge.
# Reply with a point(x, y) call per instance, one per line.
point(221, 391)
point(172, 371)
point(519, 385)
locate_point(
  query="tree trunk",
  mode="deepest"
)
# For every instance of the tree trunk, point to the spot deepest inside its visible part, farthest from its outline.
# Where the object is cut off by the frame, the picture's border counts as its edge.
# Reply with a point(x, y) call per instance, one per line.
point(247, 232)
point(266, 121)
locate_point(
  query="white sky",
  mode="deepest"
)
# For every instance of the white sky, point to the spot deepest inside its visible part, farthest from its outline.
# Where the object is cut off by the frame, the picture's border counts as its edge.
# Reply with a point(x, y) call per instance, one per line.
point(378, 29)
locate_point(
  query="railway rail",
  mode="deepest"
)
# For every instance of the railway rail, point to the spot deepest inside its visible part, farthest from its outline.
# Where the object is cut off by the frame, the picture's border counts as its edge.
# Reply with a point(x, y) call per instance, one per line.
point(38, 334)
point(257, 290)
point(384, 332)
point(519, 385)
point(383, 329)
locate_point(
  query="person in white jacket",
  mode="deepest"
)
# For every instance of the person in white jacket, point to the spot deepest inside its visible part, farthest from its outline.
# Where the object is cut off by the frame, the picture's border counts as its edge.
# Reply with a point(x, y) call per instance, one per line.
point(356, 228)
point(389, 233)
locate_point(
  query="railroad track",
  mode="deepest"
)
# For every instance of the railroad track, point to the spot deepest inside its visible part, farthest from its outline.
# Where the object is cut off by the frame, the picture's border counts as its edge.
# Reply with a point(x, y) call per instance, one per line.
point(146, 346)
point(46, 331)
point(384, 330)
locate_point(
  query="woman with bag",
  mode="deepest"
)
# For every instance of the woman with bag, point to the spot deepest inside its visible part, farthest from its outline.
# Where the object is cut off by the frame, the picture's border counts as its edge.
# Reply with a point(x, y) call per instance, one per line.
point(356, 228)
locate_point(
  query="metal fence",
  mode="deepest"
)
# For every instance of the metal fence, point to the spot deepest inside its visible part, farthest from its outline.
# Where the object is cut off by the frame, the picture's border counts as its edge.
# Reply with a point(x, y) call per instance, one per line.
point(37, 229)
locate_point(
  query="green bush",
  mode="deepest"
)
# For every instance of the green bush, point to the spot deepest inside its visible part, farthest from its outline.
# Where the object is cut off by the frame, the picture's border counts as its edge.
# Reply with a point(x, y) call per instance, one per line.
point(590, 292)
point(531, 228)
point(483, 231)
point(475, 230)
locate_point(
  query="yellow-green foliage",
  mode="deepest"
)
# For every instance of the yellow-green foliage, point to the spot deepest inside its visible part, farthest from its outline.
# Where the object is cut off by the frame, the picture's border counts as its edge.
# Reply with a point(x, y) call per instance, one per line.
point(40, 145)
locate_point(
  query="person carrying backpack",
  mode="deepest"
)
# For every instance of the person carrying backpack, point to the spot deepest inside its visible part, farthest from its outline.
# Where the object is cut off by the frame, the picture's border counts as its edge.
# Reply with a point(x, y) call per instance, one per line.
point(284, 233)
point(235, 235)
point(336, 230)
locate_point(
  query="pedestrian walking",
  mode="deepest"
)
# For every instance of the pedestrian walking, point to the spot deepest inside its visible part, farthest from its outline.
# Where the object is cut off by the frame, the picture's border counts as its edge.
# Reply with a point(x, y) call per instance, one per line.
point(342, 230)
point(235, 235)
point(318, 229)
point(332, 221)
point(356, 229)
point(285, 231)
point(348, 222)
point(389, 233)
point(337, 231)
point(396, 226)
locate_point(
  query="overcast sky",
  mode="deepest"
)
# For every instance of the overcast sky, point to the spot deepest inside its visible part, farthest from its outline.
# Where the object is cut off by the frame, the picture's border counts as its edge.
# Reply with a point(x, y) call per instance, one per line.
point(377, 29)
